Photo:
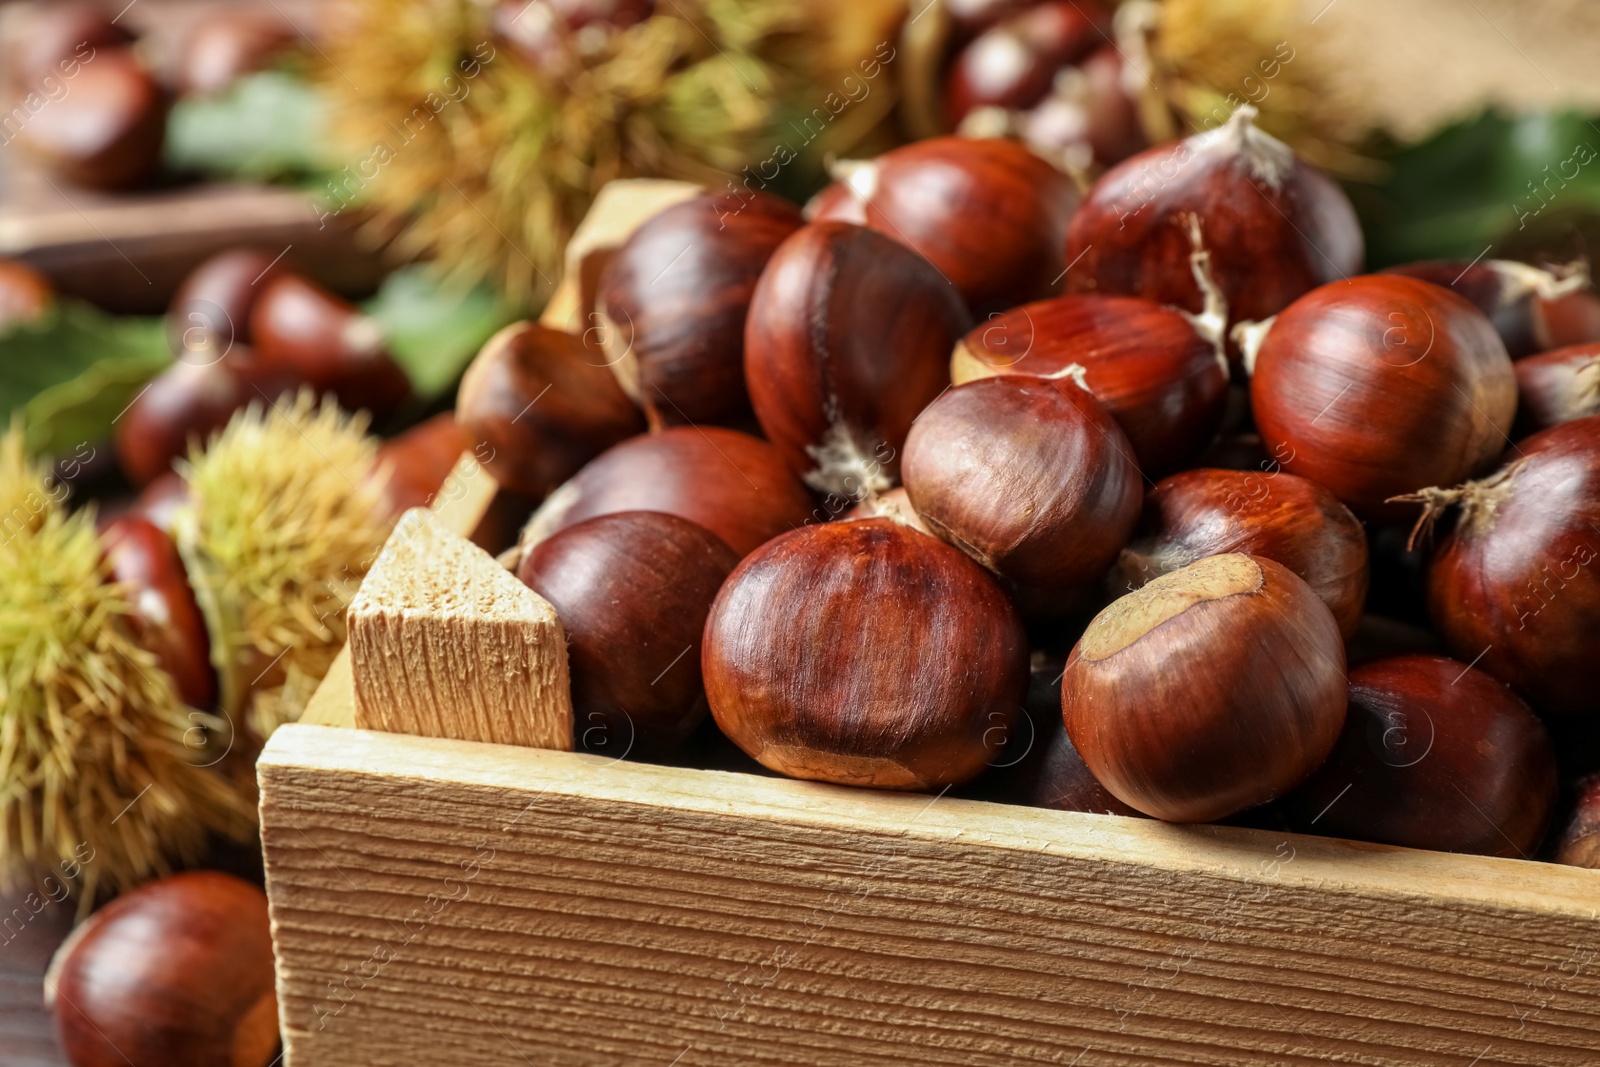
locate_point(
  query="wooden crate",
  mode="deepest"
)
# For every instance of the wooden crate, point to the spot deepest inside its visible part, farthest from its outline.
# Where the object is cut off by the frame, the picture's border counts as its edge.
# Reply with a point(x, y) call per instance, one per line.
point(449, 901)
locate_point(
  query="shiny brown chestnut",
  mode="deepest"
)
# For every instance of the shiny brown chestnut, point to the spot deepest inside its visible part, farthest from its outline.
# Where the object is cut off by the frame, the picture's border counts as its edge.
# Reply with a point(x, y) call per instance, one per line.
point(159, 501)
point(1514, 587)
point(1437, 755)
point(632, 590)
point(1275, 226)
point(1153, 700)
point(225, 44)
point(166, 619)
point(1012, 64)
point(25, 294)
point(1091, 117)
point(542, 405)
point(211, 309)
point(987, 213)
point(1557, 387)
point(1159, 371)
point(1065, 782)
point(299, 325)
point(865, 653)
point(1580, 840)
point(735, 485)
point(413, 466)
point(1287, 519)
point(188, 402)
point(107, 131)
point(848, 339)
point(1380, 385)
point(177, 973)
point(1515, 296)
point(1028, 476)
point(673, 300)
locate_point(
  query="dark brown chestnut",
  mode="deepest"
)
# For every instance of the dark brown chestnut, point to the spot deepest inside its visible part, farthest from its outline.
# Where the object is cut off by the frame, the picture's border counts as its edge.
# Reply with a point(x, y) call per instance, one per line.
point(1065, 782)
point(160, 500)
point(25, 294)
point(1158, 371)
point(865, 653)
point(1580, 840)
point(1275, 226)
point(673, 300)
point(735, 485)
point(987, 213)
point(1090, 118)
point(107, 131)
point(1380, 385)
point(211, 309)
point(1514, 587)
point(1514, 295)
point(1028, 476)
point(177, 973)
point(226, 43)
point(1557, 387)
point(166, 619)
point(1213, 689)
point(299, 325)
point(188, 402)
point(1012, 64)
point(1287, 519)
point(848, 339)
point(53, 41)
point(543, 405)
point(412, 466)
point(1436, 755)
point(632, 590)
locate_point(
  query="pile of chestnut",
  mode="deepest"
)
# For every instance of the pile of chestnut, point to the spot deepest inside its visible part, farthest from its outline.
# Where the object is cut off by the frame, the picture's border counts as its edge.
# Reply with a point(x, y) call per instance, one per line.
point(852, 477)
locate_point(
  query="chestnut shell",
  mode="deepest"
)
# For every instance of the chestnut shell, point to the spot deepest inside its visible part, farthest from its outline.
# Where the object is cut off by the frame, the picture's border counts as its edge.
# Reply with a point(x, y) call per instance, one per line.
point(106, 132)
point(1557, 387)
point(166, 618)
point(211, 309)
point(865, 653)
point(1438, 755)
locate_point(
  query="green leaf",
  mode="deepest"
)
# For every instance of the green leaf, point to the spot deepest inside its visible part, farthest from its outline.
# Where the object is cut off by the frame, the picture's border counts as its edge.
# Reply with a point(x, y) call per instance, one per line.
point(269, 125)
point(72, 372)
point(434, 330)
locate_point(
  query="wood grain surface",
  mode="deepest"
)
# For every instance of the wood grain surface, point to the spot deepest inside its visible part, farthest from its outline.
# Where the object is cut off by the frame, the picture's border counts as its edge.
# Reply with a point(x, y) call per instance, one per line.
point(438, 901)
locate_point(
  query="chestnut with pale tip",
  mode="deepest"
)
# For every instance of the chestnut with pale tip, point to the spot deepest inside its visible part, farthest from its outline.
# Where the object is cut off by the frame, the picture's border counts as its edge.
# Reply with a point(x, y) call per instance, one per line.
point(1514, 586)
point(177, 973)
point(848, 339)
point(632, 590)
point(1276, 226)
point(1213, 689)
point(537, 404)
point(1434, 754)
point(672, 304)
point(865, 653)
point(894, 505)
point(1297, 523)
point(735, 485)
point(1522, 301)
point(987, 213)
point(1028, 476)
point(1381, 385)
point(1557, 387)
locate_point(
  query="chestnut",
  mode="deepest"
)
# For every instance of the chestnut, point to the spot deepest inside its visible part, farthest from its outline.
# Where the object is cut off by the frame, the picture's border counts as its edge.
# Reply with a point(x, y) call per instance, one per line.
point(632, 590)
point(1160, 373)
point(1287, 519)
point(1579, 845)
point(160, 500)
point(1065, 783)
point(1437, 755)
point(672, 304)
point(735, 485)
point(412, 466)
point(865, 653)
point(847, 341)
point(546, 32)
point(106, 132)
point(1275, 226)
point(55, 40)
point(1012, 64)
point(177, 973)
point(297, 324)
point(211, 309)
point(1380, 385)
point(987, 213)
point(1514, 587)
point(188, 402)
point(25, 294)
point(1028, 476)
point(1090, 117)
point(166, 619)
point(538, 405)
point(225, 44)
point(1213, 689)
point(1514, 295)
point(1557, 387)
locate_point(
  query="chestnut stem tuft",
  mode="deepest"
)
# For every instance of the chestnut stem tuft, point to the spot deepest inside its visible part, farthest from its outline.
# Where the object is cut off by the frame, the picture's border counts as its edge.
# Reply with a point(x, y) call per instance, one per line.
point(1250, 336)
point(1212, 321)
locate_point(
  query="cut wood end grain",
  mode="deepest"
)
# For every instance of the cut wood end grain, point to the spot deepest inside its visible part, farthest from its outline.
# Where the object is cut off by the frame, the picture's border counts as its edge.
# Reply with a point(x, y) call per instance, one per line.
point(444, 642)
